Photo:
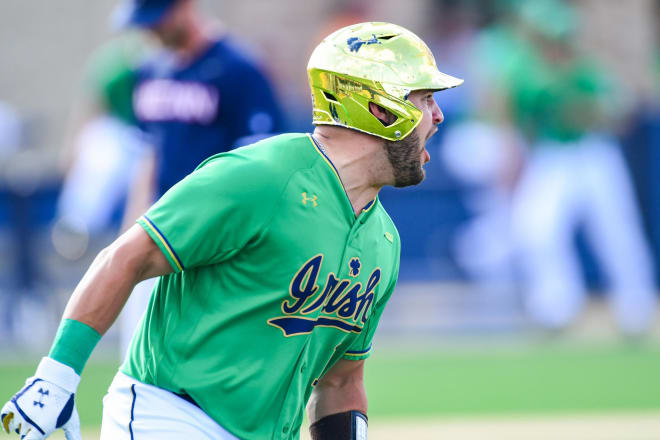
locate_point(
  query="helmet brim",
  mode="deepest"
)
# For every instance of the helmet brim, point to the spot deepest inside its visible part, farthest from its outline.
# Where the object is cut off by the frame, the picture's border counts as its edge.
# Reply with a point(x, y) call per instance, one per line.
point(442, 81)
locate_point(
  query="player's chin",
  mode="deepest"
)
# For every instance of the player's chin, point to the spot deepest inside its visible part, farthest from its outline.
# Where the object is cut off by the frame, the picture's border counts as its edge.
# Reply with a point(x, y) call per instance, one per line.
point(418, 178)
point(411, 178)
point(422, 176)
point(422, 171)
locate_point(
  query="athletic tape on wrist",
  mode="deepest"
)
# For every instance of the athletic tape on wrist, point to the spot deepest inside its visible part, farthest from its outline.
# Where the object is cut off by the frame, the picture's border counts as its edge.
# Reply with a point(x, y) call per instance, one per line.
point(58, 373)
point(73, 344)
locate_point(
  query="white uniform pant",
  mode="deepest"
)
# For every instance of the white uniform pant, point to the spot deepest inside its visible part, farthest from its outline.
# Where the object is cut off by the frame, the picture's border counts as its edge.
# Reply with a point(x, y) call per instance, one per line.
point(562, 186)
point(133, 410)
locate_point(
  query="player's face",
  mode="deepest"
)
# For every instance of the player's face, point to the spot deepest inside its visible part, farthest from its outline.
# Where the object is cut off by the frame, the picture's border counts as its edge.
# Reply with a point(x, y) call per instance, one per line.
point(408, 156)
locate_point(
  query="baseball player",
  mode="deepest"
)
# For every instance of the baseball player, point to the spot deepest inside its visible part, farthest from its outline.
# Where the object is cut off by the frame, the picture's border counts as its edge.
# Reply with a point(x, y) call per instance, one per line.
point(275, 261)
point(201, 95)
point(574, 177)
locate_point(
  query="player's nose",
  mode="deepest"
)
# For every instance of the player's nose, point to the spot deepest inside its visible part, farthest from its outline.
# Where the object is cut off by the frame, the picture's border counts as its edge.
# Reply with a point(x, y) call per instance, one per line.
point(437, 115)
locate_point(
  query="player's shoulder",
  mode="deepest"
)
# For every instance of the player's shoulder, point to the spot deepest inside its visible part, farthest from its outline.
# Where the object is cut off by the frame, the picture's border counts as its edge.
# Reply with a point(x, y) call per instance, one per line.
point(282, 151)
point(159, 64)
point(230, 51)
point(387, 224)
point(271, 161)
point(232, 47)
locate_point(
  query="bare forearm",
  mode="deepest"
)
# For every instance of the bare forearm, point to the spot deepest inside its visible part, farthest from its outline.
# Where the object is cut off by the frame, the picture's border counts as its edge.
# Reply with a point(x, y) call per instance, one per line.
point(101, 294)
point(327, 400)
point(103, 291)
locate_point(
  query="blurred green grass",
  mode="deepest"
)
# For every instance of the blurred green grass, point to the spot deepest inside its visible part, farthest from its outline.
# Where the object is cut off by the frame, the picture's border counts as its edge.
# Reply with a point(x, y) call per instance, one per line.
point(536, 379)
point(540, 379)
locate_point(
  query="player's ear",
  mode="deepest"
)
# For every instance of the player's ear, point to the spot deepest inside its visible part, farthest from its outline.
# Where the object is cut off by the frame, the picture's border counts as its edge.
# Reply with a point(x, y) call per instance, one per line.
point(385, 116)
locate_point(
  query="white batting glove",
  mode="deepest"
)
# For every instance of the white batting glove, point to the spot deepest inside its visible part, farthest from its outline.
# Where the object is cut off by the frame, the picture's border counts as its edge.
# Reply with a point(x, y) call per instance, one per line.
point(45, 403)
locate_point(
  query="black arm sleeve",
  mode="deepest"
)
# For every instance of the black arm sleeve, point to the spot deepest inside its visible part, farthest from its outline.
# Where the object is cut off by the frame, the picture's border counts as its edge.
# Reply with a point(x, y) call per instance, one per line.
point(349, 425)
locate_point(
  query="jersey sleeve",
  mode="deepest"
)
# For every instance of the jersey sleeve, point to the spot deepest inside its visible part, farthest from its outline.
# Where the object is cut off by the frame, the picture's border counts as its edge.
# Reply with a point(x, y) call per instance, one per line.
point(214, 212)
point(362, 347)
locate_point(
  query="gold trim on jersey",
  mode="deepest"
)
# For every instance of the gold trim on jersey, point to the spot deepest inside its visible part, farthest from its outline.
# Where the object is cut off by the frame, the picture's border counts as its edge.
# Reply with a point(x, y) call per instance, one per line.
point(334, 170)
point(327, 160)
point(358, 353)
point(162, 239)
point(370, 205)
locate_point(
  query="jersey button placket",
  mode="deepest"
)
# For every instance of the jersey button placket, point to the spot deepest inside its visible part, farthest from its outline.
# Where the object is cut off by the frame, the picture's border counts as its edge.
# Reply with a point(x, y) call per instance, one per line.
point(350, 250)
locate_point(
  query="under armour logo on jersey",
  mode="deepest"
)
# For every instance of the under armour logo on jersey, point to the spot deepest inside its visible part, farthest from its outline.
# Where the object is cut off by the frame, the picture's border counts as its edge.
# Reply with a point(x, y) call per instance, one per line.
point(312, 199)
point(41, 398)
point(354, 264)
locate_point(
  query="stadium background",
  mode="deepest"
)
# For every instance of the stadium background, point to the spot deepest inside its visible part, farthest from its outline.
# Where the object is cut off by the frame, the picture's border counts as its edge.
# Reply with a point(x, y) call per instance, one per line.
point(453, 360)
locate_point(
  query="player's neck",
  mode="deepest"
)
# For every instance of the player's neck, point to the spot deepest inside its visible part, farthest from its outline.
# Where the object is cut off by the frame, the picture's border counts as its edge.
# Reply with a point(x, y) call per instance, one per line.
point(360, 160)
point(198, 37)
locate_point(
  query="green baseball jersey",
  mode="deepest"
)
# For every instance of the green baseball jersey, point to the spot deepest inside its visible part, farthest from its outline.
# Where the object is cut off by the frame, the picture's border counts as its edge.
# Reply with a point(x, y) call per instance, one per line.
point(275, 279)
point(560, 103)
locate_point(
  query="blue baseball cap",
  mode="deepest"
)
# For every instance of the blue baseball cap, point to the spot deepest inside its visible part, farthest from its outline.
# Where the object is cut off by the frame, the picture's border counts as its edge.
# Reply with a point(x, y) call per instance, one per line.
point(141, 13)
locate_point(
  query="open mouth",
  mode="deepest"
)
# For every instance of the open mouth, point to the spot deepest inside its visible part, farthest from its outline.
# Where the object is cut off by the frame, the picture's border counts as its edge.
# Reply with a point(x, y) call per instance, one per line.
point(433, 131)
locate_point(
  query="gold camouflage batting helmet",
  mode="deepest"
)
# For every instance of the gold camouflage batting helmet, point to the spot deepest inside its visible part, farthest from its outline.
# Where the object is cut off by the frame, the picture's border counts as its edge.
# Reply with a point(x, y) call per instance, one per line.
point(372, 62)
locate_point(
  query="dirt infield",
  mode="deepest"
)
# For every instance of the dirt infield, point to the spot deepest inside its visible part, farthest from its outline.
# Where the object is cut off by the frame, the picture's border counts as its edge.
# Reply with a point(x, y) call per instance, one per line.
point(606, 426)
point(602, 426)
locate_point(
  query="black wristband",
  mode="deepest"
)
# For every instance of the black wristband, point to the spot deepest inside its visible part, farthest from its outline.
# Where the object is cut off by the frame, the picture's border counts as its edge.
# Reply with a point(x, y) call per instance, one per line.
point(349, 425)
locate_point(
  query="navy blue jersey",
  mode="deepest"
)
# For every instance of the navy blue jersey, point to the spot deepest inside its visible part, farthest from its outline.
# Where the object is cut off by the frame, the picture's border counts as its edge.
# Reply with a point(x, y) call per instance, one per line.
point(204, 107)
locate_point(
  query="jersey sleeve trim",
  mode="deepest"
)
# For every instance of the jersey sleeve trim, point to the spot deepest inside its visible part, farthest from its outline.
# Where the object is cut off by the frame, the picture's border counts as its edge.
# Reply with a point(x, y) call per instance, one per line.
point(162, 242)
point(358, 355)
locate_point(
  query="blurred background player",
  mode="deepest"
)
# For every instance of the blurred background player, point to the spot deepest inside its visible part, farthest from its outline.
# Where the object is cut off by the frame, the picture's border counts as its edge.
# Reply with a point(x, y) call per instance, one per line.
point(199, 96)
point(575, 175)
point(101, 161)
point(544, 127)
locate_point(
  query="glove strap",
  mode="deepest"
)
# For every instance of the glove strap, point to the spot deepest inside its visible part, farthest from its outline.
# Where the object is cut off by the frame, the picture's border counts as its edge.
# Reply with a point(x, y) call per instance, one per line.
point(58, 373)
